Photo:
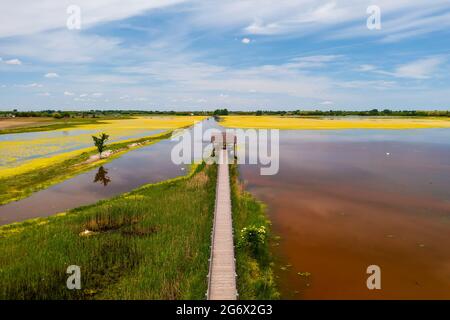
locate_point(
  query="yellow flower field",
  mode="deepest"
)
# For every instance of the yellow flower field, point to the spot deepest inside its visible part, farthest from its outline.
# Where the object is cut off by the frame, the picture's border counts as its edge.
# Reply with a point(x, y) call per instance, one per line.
point(27, 151)
point(329, 123)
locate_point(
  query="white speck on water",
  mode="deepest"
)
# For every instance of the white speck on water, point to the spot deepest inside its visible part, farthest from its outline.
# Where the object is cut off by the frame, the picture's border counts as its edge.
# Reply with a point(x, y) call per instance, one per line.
point(388, 153)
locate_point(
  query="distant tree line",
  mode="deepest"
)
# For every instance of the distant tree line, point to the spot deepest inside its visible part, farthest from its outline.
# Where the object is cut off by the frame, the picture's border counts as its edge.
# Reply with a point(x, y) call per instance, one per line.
point(59, 114)
point(220, 112)
point(373, 112)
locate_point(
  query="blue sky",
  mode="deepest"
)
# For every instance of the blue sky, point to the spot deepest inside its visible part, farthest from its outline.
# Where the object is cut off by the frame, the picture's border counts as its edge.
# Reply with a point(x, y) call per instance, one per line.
point(240, 54)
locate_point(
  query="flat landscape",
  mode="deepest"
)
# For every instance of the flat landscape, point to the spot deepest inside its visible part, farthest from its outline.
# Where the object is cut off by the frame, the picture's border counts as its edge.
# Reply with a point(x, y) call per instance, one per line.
point(7, 123)
point(27, 151)
point(240, 152)
point(121, 232)
point(333, 123)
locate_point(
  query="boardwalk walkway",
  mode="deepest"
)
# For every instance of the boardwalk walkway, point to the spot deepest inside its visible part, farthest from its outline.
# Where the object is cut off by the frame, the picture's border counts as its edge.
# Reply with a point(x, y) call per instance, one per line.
point(222, 273)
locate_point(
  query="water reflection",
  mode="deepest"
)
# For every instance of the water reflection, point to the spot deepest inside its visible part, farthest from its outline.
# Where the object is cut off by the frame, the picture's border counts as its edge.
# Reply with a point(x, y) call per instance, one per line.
point(101, 176)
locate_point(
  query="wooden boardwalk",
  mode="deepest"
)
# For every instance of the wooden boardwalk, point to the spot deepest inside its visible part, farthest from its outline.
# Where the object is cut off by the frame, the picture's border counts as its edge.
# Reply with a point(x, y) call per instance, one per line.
point(222, 272)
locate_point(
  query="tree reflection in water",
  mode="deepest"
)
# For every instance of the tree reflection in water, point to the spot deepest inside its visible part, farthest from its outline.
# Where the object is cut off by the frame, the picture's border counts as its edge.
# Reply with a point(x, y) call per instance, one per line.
point(101, 176)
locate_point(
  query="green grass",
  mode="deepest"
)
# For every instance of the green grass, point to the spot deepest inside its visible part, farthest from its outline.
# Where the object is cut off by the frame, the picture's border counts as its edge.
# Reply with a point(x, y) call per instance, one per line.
point(255, 275)
point(152, 243)
point(16, 187)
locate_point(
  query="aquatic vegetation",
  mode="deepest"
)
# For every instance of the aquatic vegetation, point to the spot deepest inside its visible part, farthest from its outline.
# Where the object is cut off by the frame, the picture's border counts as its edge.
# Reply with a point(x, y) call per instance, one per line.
point(255, 279)
point(253, 237)
point(24, 152)
point(332, 123)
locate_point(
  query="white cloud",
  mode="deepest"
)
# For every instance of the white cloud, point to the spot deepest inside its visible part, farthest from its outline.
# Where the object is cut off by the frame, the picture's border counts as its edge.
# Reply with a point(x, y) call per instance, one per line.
point(419, 69)
point(367, 84)
point(327, 103)
point(68, 93)
point(366, 67)
point(38, 16)
point(312, 61)
point(246, 40)
point(31, 85)
point(97, 94)
point(62, 47)
point(263, 17)
point(343, 18)
point(44, 94)
point(13, 62)
point(51, 75)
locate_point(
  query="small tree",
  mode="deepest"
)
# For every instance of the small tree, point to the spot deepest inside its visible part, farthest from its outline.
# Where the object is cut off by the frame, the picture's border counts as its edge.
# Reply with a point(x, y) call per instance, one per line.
point(100, 142)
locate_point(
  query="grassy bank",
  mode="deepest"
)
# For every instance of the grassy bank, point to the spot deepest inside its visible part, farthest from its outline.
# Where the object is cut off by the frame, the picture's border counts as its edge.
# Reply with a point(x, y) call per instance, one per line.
point(152, 243)
point(334, 123)
point(20, 125)
point(18, 186)
point(253, 264)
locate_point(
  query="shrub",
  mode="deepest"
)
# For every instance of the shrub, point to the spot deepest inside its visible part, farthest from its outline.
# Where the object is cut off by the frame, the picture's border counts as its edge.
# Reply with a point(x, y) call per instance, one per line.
point(253, 237)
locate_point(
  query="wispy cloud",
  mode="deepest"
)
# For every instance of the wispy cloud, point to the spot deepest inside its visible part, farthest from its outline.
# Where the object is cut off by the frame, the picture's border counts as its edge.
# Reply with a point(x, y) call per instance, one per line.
point(31, 85)
point(38, 16)
point(13, 62)
point(419, 69)
point(51, 75)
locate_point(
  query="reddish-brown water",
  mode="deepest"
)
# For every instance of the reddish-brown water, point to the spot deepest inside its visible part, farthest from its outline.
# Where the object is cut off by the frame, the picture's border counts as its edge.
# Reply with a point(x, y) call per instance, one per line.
point(344, 200)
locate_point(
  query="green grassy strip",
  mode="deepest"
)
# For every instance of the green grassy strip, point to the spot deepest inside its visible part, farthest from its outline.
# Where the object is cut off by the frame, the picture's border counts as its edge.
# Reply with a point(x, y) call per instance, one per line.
point(20, 186)
point(58, 124)
point(254, 268)
point(152, 243)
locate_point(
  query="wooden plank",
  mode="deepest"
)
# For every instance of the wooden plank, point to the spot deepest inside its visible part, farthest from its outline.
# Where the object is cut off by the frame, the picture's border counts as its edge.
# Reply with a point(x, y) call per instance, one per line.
point(222, 277)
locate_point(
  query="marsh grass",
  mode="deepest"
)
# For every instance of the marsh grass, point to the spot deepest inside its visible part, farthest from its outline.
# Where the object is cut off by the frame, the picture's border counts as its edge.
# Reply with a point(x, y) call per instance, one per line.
point(254, 267)
point(152, 243)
